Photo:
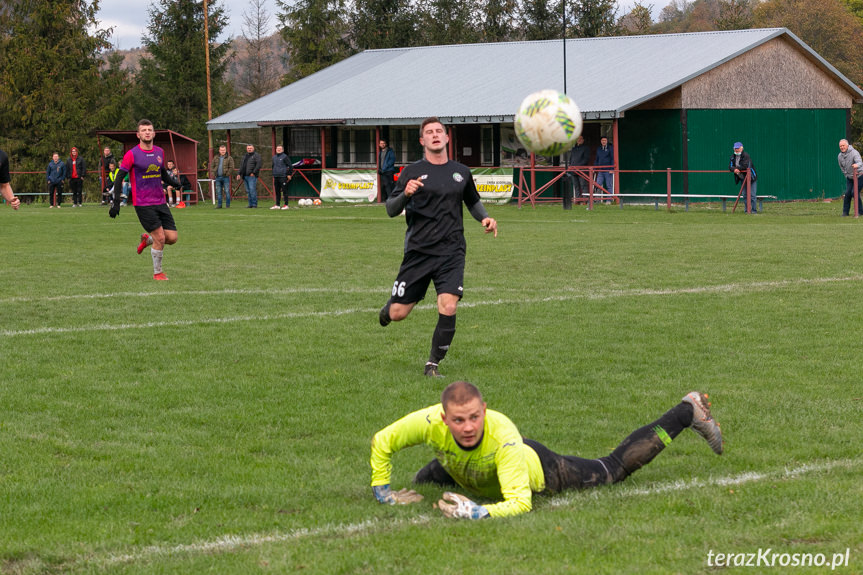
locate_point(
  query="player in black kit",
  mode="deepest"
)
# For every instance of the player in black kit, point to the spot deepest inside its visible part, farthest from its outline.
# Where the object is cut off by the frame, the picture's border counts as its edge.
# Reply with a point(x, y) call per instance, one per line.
point(431, 192)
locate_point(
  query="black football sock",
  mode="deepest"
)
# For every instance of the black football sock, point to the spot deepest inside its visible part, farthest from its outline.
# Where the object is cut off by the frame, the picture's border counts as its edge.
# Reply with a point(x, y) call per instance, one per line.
point(442, 337)
point(645, 443)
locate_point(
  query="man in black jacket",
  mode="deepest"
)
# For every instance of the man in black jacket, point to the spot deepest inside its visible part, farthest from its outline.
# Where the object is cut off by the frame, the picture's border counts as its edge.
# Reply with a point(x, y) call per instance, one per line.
point(579, 157)
point(250, 168)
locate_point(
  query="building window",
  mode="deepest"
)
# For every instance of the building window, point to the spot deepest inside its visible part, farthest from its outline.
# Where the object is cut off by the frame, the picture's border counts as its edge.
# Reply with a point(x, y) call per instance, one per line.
point(356, 147)
point(305, 142)
point(406, 144)
point(487, 145)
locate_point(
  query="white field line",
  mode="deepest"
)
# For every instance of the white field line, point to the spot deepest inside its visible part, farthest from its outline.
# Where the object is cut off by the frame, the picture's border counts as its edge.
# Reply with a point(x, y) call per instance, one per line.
point(740, 479)
point(229, 291)
point(228, 543)
point(569, 294)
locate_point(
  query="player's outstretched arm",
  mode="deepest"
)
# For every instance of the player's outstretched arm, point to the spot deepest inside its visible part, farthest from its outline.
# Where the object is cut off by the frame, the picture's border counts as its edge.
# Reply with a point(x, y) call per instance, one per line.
point(118, 191)
point(9, 196)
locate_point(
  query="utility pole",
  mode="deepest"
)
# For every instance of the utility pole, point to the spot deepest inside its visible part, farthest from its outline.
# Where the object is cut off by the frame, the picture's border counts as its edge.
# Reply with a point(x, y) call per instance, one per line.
point(209, 90)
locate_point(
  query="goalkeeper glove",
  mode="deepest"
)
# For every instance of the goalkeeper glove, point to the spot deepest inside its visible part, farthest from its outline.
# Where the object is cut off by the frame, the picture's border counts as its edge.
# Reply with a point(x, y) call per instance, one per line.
point(384, 494)
point(115, 210)
point(459, 506)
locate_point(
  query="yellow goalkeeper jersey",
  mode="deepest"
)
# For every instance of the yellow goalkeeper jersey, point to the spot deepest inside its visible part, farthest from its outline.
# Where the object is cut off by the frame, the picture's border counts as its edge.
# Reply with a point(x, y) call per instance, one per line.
point(501, 466)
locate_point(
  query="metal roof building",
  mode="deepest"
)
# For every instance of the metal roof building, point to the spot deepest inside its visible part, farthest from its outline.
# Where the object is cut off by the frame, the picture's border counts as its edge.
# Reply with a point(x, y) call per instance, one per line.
point(476, 83)
point(688, 88)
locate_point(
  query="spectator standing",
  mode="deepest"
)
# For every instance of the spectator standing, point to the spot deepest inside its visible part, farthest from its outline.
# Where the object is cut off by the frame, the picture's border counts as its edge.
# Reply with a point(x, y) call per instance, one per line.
point(56, 173)
point(605, 158)
point(283, 171)
point(851, 163)
point(110, 178)
point(76, 169)
point(387, 169)
point(5, 186)
point(250, 168)
point(741, 162)
point(104, 169)
point(579, 156)
point(221, 172)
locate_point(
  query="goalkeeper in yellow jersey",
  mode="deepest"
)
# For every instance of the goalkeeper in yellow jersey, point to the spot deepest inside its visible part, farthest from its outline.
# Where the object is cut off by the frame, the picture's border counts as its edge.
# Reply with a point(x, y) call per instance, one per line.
point(481, 451)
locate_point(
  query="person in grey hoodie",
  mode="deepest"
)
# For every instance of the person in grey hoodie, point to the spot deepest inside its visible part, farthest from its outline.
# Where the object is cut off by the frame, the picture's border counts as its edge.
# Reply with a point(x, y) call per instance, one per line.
point(850, 164)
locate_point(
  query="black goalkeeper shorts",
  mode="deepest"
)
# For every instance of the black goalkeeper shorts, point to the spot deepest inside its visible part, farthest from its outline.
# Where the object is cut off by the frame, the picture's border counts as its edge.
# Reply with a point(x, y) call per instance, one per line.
point(418, 270)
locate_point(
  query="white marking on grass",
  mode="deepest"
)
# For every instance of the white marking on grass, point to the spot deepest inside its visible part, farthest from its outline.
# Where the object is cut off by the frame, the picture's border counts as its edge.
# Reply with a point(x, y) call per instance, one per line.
point(572, 294)
point(228, 291)
point(231, 542)
point(227, 543)
point(740, 479)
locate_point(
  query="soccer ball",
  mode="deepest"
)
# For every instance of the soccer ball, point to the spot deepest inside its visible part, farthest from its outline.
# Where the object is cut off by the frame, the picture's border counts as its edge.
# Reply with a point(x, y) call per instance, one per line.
point(305, 202)
point(316, 201)
point(548, 123)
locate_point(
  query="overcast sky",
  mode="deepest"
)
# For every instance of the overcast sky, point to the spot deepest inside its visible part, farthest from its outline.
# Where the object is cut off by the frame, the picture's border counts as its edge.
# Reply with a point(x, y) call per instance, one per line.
point(129, 18)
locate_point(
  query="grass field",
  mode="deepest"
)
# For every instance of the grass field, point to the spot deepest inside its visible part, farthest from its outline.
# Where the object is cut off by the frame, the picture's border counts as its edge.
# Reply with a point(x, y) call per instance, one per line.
point(220, 422)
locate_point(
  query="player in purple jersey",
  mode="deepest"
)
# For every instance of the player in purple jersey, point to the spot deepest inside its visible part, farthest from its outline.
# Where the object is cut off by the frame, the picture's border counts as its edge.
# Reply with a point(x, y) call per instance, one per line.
point(145, 164)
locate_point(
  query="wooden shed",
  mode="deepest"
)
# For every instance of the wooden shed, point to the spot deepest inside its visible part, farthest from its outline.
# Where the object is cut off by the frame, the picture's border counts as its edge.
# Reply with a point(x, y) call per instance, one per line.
point(179, 148)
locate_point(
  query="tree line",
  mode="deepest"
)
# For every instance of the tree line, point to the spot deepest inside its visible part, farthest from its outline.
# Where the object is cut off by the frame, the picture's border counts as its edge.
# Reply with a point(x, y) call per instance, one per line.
point(61, 80)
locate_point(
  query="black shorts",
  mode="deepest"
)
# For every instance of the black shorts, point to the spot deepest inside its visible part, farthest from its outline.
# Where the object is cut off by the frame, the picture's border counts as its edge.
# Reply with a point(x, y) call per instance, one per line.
point(155, 217)
point(418, 270)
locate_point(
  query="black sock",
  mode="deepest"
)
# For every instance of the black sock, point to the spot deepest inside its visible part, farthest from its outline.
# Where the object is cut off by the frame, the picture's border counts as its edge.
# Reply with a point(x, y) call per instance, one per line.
point(645, 443)
point(444, 331)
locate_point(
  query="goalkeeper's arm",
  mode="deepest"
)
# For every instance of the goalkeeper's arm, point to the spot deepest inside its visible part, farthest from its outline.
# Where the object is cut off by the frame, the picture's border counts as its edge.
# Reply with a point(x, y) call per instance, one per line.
point(118, 191)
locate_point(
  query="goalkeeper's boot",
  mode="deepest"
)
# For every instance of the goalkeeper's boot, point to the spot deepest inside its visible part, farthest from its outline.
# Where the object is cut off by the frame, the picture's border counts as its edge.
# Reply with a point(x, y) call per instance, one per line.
point(431, 370)
point(146, 240)
point(702, 422)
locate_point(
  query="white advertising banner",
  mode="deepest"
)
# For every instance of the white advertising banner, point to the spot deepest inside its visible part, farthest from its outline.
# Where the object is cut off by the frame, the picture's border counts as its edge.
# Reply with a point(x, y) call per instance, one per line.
point(493, 184)
point(349, 185)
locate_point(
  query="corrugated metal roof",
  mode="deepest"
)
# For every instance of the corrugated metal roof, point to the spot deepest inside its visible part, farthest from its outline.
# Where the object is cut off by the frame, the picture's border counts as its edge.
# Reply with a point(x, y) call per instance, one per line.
point(483, 83)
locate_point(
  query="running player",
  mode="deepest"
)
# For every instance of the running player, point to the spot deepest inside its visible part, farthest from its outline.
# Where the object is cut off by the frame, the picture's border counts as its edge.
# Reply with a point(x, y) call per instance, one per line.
point(483, 452)
point(145, 164)
point(430, 192)
point(5, 186)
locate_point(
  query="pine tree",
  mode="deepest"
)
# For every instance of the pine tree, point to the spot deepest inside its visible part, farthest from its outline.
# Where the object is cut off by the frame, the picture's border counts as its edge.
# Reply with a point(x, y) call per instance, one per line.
point(171, 88)
point(383, 24)
point(541, 20)
point(314, 31)
point(50, 90)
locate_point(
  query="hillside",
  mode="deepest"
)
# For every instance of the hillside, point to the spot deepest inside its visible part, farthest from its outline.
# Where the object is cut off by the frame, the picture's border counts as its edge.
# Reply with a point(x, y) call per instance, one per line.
point(274, 50)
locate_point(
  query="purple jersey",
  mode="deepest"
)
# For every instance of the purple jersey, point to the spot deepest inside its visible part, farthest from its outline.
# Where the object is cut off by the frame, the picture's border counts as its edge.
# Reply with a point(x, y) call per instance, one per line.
point(145, 175)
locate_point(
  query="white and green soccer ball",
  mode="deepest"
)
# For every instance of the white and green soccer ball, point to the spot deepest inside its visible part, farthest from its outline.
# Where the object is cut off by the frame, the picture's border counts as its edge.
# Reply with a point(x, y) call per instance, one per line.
point(548, 123)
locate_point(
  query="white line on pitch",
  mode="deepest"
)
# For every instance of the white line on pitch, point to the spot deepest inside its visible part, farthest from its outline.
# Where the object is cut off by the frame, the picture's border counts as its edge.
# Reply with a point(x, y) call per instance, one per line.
point(309, 290)
point(569, 295)
point(232, 542)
